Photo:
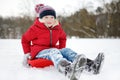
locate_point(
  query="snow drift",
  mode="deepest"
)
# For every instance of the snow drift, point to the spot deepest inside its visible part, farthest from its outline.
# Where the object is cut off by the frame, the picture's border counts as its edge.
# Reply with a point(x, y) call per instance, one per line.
point(11, 56)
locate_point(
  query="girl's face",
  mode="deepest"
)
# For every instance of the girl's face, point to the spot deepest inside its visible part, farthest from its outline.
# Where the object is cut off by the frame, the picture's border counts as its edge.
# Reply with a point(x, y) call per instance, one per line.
point(49, 20)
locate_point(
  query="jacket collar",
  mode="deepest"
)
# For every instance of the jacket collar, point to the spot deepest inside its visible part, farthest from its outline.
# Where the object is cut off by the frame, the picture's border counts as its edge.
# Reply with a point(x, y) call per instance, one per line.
point(39, 23)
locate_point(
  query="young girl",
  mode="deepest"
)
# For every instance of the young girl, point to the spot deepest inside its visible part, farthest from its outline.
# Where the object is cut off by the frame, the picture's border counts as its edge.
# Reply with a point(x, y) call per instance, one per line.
point(46, 39)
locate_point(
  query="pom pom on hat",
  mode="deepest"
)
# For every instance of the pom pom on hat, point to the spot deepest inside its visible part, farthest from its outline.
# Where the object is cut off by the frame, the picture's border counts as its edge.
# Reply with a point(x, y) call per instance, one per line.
point(43, 10)
point(38, 7)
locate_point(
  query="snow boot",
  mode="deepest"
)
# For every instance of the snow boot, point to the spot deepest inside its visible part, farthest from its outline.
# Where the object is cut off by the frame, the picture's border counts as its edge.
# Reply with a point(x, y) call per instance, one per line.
point(62, 65)
point(73, 70)
point(94, 66)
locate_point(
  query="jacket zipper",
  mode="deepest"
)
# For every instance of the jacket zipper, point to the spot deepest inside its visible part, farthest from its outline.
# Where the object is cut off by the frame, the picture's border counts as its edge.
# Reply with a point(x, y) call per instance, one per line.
point(50, 37)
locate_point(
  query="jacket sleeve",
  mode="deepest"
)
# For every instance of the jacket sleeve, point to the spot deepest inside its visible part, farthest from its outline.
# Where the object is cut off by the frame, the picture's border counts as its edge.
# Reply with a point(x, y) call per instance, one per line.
point(62, 39)
point(27, 37)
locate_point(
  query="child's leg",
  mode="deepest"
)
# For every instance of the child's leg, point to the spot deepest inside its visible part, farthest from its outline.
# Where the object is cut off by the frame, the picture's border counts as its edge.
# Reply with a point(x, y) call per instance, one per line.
point(68, 54)
point(51, 54)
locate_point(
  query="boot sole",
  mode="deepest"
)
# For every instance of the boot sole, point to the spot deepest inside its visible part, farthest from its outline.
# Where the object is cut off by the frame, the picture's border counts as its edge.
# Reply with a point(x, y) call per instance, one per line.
point(81, 61)
point(101, 58)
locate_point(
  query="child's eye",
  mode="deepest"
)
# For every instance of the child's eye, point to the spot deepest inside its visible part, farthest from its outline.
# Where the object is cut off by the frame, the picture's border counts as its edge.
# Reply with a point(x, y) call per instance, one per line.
point(46, 17)
point(52, 17)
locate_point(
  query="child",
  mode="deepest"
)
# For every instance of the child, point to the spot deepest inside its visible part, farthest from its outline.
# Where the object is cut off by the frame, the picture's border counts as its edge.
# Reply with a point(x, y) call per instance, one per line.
point(46, 39)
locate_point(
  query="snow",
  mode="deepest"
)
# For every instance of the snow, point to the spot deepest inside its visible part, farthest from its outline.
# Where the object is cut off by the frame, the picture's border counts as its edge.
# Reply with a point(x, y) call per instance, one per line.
point(11, 56)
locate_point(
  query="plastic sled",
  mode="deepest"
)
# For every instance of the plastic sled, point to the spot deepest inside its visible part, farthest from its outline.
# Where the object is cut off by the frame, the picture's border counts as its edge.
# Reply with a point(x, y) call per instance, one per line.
point(40, 63)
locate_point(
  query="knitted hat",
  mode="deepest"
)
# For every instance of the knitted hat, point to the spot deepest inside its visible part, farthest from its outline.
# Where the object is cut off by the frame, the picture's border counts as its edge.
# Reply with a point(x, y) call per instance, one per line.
point(43, 10)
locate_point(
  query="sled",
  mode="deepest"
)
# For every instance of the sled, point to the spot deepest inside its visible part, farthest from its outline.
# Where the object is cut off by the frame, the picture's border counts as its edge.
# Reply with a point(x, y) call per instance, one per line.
point(40, 63)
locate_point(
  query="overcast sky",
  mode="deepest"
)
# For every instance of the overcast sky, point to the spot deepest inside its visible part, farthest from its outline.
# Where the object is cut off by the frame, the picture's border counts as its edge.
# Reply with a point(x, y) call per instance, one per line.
point(64, 7)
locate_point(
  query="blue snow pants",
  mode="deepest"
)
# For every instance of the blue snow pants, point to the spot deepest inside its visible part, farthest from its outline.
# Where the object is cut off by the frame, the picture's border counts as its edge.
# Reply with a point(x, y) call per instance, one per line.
point(55, 55)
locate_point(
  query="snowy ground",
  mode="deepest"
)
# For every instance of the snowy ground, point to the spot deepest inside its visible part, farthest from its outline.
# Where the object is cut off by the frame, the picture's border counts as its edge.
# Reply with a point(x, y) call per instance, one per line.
point(11, 56)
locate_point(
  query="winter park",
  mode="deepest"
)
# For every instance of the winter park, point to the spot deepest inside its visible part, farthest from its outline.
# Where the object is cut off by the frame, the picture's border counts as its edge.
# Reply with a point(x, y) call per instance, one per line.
point(91, 27)
point(11, 56)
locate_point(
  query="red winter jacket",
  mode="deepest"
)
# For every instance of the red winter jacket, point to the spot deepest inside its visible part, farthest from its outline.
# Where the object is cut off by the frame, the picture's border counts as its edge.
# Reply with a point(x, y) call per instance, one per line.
point(38, 37)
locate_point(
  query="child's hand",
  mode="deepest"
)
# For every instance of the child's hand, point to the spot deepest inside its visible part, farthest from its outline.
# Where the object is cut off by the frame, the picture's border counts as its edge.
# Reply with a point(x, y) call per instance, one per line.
point(25, 59)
